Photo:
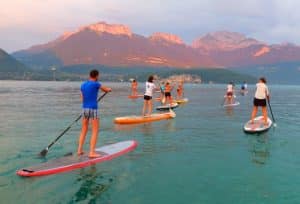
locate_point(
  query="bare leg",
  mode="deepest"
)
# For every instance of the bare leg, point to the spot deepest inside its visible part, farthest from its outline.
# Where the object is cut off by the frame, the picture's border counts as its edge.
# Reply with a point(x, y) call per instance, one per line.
point(144, 108)
point(265, 115)
point(84, 129)
point(93, 142)
point(254, 112)
point(150, 107)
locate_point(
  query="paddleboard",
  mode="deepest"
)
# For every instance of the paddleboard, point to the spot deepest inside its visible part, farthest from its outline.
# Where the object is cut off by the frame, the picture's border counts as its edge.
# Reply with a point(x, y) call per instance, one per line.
point(72, 162)
point(144, 119)
point(243, 93)
point(258, 125)
point(135, 96)
point(167, 107)
point(236, 103)
point(180, 101)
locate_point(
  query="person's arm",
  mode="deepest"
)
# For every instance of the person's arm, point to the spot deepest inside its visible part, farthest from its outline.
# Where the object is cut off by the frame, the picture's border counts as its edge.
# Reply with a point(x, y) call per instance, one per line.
point(267, 93)
point(81, 97)
point(105, 89)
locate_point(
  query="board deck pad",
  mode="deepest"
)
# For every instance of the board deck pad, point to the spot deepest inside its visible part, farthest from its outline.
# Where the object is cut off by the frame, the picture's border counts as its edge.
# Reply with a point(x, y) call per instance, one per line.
point(71, 162)
point(257, 126)
point(167, 107)
point(236, 103)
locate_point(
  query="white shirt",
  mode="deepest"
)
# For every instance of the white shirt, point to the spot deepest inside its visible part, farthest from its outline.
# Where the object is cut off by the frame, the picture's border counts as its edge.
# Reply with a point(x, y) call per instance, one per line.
point(149, 88)
point(229, 88)
point(261, 91)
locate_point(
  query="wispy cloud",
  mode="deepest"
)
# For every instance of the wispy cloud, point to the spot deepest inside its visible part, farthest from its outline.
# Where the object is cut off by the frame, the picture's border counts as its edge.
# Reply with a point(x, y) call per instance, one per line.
point(24, 23)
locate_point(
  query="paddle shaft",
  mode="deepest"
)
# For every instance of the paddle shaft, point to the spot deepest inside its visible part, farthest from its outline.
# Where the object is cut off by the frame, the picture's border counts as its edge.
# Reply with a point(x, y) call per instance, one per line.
point(69, 127)
point(271, 110)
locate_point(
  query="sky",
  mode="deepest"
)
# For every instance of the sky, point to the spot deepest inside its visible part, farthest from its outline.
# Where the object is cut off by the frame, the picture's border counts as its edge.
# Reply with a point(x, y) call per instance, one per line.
point(24, 23)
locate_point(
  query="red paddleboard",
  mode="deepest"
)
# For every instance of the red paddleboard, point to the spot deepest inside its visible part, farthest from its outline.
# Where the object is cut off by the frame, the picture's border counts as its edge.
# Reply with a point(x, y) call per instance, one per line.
point(135, 96)
point(72, 162)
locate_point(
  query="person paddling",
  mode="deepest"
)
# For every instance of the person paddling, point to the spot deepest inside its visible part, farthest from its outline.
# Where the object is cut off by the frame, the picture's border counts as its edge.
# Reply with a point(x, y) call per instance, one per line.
point(89, 94)
point(134, 88)
point(148, 106)
point(244, 86)
point(230, 93)
point(168, 89)
point(260, 100)
point(180, 90)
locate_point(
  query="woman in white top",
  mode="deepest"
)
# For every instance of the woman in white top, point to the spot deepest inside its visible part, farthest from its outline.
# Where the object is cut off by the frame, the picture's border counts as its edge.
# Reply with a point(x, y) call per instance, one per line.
point(260, 99)
point(150, 87)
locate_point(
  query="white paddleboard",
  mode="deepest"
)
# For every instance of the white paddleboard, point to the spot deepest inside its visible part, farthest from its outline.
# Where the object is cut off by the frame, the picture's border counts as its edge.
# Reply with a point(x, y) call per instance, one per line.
point(236, 103)
point(258, 125)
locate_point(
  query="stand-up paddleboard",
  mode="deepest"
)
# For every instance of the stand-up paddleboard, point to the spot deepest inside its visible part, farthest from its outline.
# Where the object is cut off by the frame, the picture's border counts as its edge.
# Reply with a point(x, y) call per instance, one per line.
point(258, 125)
point(135, 96)
point(236, 103)
point(181, 101)
point(144, 119)
point(167, 106)
point(72, 162)
point(244, 92)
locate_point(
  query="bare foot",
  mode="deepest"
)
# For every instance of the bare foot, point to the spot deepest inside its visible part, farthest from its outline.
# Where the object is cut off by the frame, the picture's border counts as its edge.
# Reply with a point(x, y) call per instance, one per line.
point(94, 155)
point(80, 153)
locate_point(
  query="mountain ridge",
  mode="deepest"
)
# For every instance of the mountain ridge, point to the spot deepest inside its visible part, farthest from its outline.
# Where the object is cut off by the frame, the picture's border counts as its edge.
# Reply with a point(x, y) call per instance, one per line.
point(117, 45)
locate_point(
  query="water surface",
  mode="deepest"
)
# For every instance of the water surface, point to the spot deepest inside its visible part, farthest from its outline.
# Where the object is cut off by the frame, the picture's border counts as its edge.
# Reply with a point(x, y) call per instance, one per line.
point(202, 156)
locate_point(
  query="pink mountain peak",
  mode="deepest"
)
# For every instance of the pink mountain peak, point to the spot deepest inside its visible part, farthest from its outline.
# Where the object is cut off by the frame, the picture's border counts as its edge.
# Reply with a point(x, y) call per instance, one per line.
point(158, 36)
point(224, 40)
point(103, 27)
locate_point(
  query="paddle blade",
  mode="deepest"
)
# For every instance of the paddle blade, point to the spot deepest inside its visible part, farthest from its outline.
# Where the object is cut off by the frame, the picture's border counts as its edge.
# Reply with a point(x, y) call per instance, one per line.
point(173, 114)
point(43, 152)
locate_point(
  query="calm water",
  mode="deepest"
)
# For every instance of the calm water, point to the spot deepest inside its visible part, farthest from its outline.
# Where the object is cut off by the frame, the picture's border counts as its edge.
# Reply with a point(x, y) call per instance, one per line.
point(202, 156)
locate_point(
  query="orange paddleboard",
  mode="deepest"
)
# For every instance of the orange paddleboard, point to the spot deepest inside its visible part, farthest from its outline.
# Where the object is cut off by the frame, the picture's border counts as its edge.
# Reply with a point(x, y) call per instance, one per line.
point(144, 119)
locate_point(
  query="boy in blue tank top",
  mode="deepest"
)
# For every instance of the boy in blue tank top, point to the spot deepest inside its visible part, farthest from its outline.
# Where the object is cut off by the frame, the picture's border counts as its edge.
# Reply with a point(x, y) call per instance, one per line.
point(89, 95)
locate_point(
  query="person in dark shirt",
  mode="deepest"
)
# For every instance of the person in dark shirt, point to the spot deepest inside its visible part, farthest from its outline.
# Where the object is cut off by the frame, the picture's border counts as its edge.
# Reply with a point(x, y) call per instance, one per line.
point(89, 94)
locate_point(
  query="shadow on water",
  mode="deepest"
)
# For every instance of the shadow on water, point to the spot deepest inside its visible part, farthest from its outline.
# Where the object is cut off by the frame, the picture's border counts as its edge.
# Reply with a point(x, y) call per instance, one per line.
point(93, 184)
point(259, 148)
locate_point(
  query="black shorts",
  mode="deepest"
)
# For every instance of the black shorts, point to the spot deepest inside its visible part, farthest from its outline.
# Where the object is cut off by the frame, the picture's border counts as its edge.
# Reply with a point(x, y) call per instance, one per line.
point(260, 102)
point(147, 98)
point(167, 94)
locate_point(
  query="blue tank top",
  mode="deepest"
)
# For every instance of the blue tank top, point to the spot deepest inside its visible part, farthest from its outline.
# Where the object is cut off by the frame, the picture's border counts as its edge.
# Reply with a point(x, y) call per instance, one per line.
point(89, 90)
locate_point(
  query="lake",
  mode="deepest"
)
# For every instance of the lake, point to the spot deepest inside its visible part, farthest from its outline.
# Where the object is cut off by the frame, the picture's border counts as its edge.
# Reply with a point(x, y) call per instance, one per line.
point(202, 156)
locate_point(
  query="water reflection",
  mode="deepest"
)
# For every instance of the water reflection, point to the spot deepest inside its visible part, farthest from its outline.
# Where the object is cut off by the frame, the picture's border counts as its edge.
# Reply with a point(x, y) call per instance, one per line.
point(229, 111)
point(259, 148)
point(93, 184)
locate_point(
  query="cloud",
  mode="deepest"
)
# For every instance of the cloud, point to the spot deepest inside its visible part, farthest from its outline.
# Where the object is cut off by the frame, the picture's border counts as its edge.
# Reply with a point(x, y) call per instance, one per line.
point(29, 22)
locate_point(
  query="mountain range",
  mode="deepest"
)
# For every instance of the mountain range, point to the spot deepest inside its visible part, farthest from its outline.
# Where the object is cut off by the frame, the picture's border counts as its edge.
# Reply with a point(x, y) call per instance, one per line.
point(10, 64)
point(116, 45)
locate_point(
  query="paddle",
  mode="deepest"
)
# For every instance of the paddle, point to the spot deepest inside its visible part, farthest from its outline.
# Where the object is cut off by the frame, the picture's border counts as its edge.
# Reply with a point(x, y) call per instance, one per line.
point(163, 100)
point(45, 151)
point(272, 113)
